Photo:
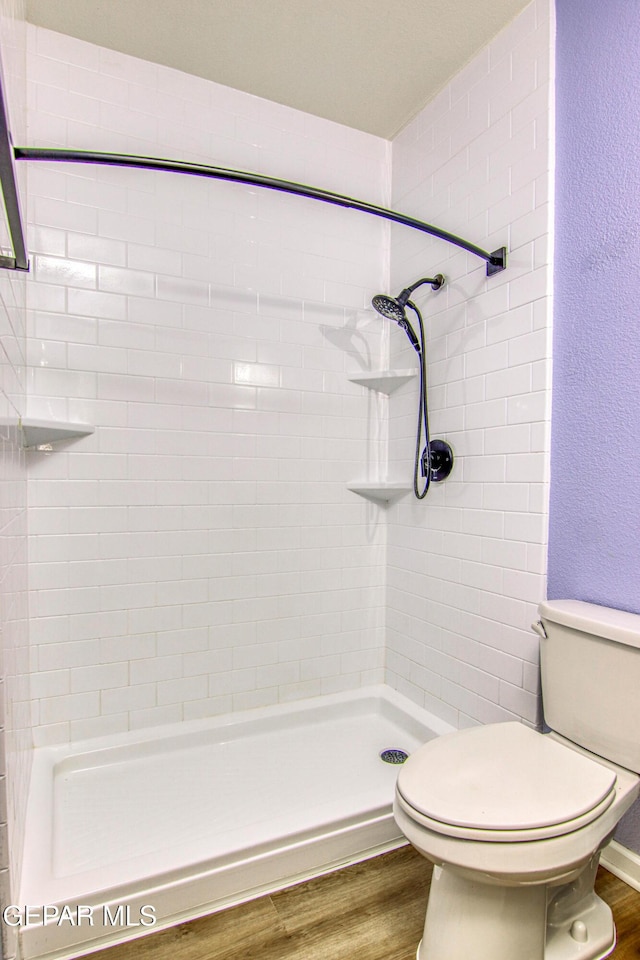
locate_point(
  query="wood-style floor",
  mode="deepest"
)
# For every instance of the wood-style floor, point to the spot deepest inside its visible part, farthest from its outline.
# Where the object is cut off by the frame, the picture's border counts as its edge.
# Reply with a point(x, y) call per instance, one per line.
point(371, 911)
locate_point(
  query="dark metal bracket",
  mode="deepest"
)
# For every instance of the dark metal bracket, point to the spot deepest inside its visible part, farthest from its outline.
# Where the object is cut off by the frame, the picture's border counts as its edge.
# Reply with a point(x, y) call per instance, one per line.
point(10, 196)
point(495, 261)
point(498, 261)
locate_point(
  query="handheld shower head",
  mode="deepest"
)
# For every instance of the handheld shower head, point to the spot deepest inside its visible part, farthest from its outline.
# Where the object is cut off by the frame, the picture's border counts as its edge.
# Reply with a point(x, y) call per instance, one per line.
point(393, 308)
point(388, 307)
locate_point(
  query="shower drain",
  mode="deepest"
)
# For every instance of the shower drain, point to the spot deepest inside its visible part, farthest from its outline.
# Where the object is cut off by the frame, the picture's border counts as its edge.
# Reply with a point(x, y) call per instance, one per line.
point(394, 756)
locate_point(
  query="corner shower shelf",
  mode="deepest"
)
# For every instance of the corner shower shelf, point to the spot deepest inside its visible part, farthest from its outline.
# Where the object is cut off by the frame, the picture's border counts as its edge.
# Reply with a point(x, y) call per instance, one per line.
point(35, 433)
point(381, 491)
point(384, 381)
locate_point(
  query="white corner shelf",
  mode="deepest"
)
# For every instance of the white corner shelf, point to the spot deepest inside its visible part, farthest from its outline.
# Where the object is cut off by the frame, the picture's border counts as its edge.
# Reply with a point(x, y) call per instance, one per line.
point(381, 491)
point(384, 381)
point(36, 433)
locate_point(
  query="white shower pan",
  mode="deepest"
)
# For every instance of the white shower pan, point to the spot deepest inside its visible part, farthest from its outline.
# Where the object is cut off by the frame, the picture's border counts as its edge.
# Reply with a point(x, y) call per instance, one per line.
point(191, 818)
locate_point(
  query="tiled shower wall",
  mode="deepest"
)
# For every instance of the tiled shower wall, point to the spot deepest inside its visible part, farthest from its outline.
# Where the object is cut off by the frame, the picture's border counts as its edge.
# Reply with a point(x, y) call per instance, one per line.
point(15, 735)
point(466, 567)
point(200, 551)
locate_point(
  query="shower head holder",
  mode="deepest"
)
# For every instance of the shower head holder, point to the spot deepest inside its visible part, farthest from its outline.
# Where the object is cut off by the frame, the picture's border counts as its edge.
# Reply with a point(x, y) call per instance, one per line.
point(393, 308)
point(435, 283)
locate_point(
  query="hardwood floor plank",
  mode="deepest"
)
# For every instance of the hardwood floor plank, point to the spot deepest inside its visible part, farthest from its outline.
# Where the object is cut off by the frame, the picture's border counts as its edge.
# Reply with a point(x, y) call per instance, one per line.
point(374, 911)
point(370, 911)
point(221, 936)
point(625, 904)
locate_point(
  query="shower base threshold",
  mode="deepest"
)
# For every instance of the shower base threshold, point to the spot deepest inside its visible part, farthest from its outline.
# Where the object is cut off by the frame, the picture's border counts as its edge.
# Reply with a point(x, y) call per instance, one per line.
point(137, 832)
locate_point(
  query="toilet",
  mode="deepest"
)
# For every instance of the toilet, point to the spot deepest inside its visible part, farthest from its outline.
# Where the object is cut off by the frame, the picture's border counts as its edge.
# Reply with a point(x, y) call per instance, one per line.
point(514, 820)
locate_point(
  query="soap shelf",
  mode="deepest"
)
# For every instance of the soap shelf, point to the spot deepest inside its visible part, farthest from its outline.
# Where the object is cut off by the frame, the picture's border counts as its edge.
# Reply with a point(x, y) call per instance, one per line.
point(384, 381)
point(37, 433)
point(381, 491)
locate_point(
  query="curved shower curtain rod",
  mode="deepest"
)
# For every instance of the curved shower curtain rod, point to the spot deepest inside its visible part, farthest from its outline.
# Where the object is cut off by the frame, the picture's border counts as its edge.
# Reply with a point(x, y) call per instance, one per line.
point(496, 261)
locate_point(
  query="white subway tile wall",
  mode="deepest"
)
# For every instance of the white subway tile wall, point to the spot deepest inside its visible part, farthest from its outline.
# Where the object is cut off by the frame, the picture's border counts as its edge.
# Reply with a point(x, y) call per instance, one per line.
point(466, 567)
point(15, 707)
point(199, 552)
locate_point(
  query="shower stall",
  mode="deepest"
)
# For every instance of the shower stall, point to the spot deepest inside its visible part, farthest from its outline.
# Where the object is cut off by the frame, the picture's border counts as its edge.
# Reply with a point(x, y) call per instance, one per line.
point(188, 817)
point(207, 385)
point(149, 829)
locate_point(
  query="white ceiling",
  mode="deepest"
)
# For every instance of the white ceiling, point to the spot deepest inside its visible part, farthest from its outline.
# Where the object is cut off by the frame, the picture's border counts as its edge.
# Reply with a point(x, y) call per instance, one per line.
point(370, 64)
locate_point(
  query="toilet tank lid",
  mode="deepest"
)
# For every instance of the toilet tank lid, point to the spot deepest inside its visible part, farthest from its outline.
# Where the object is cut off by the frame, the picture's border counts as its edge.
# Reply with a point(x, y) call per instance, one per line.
point(617, 625)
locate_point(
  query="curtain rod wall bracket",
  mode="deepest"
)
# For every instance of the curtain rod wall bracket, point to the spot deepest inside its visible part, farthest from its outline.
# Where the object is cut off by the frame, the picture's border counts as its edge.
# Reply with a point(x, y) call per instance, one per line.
point(10, 196)
point(10, 263)
point(496, 261)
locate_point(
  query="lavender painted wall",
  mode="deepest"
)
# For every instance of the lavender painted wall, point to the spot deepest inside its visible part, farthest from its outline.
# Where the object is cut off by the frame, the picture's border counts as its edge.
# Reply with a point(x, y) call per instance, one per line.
point(594, 537)
point(594, 549)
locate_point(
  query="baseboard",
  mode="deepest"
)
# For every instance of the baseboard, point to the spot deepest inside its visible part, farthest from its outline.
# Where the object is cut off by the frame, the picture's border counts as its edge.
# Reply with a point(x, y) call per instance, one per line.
point(622, 862)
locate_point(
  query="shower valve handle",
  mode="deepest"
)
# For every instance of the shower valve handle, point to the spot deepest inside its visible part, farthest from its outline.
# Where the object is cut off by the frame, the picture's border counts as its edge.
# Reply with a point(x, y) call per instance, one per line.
point(437, 458)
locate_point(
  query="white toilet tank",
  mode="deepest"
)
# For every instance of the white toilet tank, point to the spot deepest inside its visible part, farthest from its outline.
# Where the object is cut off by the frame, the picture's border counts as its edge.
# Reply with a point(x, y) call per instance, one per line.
point(590, 663)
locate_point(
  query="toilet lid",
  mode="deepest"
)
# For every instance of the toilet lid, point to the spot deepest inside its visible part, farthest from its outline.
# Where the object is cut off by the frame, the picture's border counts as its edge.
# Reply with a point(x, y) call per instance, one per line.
point(502, 776)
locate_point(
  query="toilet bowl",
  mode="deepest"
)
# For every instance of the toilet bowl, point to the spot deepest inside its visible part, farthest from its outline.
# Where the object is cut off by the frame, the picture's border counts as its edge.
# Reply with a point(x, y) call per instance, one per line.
point(514, 821)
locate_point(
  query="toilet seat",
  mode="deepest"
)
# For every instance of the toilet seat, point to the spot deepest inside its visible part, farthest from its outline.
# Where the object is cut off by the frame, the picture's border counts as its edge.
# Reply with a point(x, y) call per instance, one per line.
point(503, 783)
